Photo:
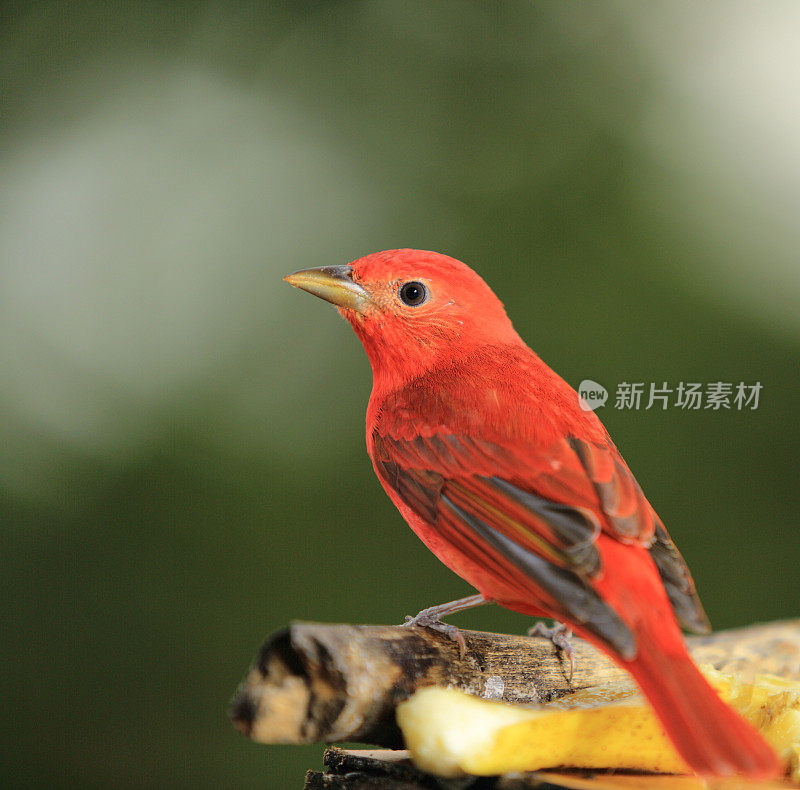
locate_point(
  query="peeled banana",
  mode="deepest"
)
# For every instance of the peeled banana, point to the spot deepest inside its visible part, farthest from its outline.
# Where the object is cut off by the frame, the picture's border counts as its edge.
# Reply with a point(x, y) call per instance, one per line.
point(450, 733)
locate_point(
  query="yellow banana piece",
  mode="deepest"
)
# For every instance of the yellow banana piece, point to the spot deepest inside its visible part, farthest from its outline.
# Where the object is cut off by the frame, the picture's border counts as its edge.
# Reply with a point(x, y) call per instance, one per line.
point(450, 733)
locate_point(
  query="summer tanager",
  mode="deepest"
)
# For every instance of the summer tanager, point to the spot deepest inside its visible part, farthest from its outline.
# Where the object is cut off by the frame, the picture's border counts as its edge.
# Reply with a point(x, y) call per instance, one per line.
point(489, 457)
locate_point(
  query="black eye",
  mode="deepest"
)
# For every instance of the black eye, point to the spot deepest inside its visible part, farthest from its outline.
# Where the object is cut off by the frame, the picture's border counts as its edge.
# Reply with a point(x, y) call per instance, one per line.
point(413, 293)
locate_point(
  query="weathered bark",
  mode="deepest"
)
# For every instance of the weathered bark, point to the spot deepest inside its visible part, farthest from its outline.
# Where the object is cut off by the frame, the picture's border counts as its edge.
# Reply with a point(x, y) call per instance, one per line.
point(327, 683)
point(376, 770)
point(388, 770)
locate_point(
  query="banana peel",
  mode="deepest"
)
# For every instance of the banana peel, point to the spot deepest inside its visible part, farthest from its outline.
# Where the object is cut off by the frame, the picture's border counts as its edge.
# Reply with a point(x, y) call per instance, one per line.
point(450, 733)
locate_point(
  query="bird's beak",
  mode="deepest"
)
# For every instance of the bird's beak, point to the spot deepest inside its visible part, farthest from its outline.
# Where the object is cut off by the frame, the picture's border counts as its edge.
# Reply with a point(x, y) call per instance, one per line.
point(334, 284)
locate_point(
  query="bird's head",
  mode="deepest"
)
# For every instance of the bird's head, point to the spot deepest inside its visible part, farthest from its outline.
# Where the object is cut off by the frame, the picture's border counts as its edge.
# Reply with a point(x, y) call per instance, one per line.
point(412, 309)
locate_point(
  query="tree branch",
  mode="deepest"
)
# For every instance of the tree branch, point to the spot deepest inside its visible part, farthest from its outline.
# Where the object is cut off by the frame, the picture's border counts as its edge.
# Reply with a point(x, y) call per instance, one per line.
point(326, 683)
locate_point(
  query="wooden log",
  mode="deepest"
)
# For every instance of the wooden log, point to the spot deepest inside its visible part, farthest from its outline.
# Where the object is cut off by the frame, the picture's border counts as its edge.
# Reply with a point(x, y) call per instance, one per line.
point(393, 770)
point(377, 770)
point(330, 683)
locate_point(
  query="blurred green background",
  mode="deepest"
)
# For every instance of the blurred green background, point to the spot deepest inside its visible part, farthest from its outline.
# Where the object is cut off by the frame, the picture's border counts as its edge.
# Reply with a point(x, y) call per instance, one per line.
point(182, 464)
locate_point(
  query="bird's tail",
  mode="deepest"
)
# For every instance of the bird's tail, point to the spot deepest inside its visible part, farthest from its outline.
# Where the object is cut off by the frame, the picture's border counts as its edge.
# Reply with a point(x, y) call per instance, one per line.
point(710, 736)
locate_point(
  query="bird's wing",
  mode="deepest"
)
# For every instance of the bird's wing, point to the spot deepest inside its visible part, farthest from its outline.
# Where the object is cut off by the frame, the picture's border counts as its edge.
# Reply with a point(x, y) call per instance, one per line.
point(629, 516)
point(627, 513)
point(493, 503)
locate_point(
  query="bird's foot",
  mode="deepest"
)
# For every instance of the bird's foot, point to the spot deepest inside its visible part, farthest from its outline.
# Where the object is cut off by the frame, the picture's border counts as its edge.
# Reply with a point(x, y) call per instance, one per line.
point(559, 635)
point(432, 618)
point(450, 631)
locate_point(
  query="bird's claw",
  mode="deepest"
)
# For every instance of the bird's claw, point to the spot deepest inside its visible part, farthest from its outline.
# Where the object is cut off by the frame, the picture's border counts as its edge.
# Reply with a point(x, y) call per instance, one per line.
point(559, 635)
point(427, 620)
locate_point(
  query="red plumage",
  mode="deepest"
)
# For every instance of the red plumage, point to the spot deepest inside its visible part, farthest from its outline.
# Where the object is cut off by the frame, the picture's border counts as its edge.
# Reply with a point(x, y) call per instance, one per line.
point(488, 456)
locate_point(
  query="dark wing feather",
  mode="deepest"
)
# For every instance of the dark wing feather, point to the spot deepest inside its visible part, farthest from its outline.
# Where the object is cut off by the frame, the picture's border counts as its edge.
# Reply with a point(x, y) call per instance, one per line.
point(678, 583)
point(566, 589)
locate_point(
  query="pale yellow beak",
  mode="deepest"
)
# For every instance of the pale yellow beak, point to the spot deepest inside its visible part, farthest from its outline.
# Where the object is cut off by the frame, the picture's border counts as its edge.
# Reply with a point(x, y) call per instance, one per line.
point(334, 284)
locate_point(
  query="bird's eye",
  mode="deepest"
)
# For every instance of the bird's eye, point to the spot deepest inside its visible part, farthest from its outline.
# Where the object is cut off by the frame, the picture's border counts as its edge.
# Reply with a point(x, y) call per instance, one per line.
point(413, 293)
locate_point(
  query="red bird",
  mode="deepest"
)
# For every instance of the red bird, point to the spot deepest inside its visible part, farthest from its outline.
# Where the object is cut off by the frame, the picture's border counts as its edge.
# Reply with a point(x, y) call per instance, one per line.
point(488, 456)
